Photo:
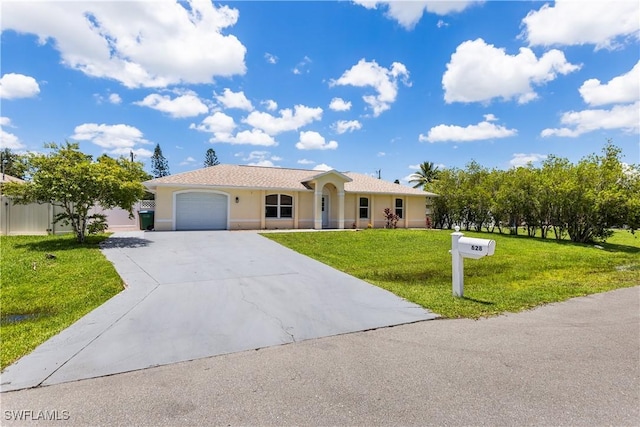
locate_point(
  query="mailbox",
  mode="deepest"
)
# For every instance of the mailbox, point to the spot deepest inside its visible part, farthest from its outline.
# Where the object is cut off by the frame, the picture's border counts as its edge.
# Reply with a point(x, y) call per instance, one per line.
point(466, 247)
point(470, 247)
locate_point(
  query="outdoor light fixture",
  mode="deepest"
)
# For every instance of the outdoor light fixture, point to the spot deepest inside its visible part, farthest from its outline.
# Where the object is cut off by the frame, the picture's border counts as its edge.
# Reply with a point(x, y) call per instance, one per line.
point(237, 199)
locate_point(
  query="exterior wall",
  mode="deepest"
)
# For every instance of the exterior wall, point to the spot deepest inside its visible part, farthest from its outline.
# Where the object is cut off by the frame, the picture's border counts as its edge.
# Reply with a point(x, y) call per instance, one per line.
point(305, 210)
point(163, 215)
point(248, 213)
point(414, 210)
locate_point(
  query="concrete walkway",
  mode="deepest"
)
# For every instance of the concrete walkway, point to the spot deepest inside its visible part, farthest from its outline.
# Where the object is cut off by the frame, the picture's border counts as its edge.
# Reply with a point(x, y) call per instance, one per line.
point(575, 363)
point(197, 294)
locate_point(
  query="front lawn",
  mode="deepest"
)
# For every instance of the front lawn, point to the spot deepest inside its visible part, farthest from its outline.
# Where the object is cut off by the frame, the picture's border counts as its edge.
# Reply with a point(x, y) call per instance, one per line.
point(523, 273)
point(41, 295)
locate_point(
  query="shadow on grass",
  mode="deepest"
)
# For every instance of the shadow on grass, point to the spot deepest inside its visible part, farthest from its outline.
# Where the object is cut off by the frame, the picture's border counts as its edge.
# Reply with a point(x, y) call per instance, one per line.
point(54, 244)
point(608, 247)
point(64, 243)
point(10, 319)
point(479, 301)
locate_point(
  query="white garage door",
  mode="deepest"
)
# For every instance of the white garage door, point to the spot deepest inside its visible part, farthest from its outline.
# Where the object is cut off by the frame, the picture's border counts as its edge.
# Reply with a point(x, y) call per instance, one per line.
point(201, 211)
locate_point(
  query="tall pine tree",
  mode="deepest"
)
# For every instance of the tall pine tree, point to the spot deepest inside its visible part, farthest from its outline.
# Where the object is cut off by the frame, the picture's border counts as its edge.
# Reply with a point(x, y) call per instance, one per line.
point(159, 164)
point(210, 158)
point(13, 164)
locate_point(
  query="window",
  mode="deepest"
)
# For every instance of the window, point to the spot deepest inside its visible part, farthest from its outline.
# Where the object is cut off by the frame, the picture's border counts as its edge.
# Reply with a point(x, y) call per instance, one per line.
point(399, 208)
point(364, 208)
point(278, 206)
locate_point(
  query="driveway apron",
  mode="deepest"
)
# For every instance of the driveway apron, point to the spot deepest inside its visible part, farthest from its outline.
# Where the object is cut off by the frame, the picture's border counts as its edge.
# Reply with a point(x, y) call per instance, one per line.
point(197, 294)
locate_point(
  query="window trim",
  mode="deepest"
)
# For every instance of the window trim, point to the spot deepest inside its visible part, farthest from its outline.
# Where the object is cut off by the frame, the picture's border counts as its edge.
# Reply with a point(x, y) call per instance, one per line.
point(279, 205)
point(399, 210)
point(361, 207)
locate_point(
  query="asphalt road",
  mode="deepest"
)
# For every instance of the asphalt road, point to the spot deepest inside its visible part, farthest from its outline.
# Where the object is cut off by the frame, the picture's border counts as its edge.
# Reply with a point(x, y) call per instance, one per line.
point(573, 363)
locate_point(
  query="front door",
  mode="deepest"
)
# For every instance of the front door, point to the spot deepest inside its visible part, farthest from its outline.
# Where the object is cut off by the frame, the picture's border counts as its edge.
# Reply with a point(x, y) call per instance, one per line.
point(325, 212)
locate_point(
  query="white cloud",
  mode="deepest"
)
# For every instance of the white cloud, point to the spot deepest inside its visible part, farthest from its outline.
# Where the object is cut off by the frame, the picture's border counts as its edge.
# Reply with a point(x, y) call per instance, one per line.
point(479, 72)
point(483, 130)
point(522, 159)
point(126, 152)
point(188, 105)
point(441, 24)
point(623, 117)
point(288, 120)
point(381, 154)
point(270, 104)
point(262, 158)
point(604, 24)
point(230, 99)
point(305, 162)
point(115, 139)
point(408, 13)
point(303, 66)
point(312, 140)
point(8, 140)
point(14, 85)
point(383, 80)
point(271, 59)
point(222, 127)
point(188, 161)
point(622, 89)
point(339, 104)
point(250, 137)
point(342, 126)
point(218, 122)
point(139, 44)
point(114, 98)
point(322, 167)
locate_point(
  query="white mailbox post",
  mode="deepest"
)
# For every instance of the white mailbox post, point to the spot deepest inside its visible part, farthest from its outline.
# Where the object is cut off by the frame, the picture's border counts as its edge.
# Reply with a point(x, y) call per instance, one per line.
point(466, 247)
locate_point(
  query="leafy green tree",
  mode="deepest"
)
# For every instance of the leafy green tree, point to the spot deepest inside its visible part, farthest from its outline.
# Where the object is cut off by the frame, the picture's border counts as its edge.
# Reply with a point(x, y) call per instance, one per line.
point(427, 174)
point(445, 206)
point(159, 164)
point(210, 158)
point(72, 180)
point(12, 163)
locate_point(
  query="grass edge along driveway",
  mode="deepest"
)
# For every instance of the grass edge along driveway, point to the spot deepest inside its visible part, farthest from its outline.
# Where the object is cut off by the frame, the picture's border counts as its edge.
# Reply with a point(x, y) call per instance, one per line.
point(47, 283)
point(524, 272)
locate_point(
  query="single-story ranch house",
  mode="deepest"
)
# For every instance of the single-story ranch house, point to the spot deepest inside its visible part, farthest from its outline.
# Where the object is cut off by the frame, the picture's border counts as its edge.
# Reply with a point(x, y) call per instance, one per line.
point(233, 197)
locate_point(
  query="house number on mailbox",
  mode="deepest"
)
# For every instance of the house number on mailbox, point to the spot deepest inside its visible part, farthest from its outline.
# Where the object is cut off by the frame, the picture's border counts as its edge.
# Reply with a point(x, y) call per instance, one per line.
point(476, 248)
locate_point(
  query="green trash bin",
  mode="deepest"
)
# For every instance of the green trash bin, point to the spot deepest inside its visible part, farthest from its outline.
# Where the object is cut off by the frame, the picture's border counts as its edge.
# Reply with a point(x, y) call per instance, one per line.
point(146, 220)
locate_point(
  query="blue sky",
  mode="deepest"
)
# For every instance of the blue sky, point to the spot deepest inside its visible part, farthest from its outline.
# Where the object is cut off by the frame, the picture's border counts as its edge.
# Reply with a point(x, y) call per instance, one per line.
point(353, 86)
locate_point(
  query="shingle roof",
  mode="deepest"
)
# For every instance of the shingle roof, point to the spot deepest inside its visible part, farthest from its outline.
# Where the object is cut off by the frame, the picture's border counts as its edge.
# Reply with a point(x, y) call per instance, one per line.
point(242, 176)
point(9, 178)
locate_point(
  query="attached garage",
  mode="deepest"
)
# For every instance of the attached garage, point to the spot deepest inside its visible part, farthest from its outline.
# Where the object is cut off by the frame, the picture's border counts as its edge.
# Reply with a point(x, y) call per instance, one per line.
point(201, 211)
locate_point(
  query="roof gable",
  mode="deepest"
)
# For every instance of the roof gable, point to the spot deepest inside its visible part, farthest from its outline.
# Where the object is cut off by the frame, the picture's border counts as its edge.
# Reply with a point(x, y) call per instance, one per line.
point(335, 173)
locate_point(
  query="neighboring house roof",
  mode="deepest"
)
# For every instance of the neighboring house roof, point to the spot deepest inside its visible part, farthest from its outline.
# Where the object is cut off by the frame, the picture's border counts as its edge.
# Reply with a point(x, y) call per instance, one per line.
point(9, 178)
point(259, 177)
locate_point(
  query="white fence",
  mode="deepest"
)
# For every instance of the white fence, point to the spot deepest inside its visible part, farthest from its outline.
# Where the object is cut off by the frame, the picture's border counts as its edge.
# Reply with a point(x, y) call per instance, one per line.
point(37, 219)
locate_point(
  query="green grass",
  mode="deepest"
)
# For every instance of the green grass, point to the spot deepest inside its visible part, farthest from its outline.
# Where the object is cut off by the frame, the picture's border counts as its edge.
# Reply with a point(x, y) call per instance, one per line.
point(47, 295)
point(523, 273)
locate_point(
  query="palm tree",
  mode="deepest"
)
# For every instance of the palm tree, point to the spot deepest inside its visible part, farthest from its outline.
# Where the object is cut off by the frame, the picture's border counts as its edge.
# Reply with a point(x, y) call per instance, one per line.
point(427, 173)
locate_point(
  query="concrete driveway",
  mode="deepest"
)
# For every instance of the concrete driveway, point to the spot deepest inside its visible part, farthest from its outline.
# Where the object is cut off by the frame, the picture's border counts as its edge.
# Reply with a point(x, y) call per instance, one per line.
point(196, 294)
